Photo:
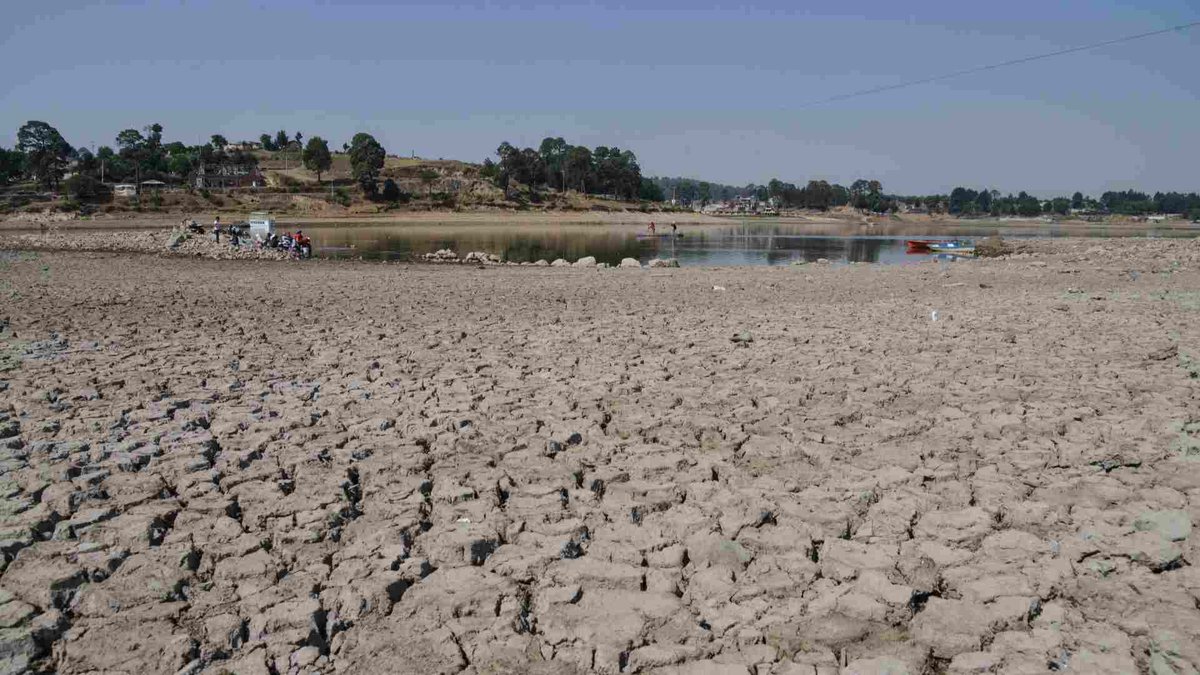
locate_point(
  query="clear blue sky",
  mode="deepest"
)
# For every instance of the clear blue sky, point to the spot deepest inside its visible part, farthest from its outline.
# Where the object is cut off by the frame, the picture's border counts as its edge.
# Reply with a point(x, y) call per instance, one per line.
point(710, 90)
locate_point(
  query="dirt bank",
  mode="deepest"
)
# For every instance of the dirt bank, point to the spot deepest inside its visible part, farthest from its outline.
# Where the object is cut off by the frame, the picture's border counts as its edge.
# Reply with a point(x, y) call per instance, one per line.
point(254, 467)
point(169, 220)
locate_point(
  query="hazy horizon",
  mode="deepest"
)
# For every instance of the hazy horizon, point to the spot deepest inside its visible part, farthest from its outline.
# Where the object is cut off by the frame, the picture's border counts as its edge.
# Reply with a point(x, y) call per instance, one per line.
point(716, 94)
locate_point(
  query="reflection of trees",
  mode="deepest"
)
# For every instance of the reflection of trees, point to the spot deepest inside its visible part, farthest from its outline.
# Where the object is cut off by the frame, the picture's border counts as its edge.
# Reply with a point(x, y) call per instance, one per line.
point(864, 250)
point(751, 243)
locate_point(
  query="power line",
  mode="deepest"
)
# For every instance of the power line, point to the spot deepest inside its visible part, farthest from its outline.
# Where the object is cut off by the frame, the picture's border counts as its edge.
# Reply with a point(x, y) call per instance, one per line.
point(1003, 64)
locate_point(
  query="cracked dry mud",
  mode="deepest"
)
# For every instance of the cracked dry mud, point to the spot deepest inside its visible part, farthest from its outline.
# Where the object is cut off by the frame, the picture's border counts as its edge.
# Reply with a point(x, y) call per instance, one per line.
point(229, 466)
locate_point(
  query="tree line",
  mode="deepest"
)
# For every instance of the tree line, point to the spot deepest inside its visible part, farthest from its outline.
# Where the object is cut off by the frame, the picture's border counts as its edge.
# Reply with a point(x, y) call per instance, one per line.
point(964, 201)
point(44, 156)
point(559, 165)
point(866, 195)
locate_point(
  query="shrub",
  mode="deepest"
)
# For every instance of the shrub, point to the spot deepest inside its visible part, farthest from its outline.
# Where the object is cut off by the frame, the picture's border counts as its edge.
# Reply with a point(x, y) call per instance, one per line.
point(81, 187)
point(340, 196)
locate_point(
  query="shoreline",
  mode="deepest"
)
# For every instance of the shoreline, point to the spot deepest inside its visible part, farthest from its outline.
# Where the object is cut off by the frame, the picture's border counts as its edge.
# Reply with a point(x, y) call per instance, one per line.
point(902, 225)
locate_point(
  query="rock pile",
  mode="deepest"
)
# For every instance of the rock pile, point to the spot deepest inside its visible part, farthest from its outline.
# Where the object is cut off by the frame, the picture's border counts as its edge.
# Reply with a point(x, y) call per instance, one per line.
point(168, 243)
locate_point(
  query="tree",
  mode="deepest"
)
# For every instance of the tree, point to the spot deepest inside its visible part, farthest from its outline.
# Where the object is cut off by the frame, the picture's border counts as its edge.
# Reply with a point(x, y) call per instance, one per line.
point(366, 161)
point(85, 162)
point(984, 201)
point(266, 141)
point(12, 165)
point(489, 170)
point(1028, 206)
point(962, 200)
point(391, 191)
point(553, 152)
point(1077, 200)
point(131, 140)
point(218, 142)
point(818, 195)
point(134, 150)
point(578, 167)
point(705, 193)
point(299, 138)
point(281, 140)
point(316, 156)
point(651, 191)
point(46, 152)
point(429, 177)
point(82, 187)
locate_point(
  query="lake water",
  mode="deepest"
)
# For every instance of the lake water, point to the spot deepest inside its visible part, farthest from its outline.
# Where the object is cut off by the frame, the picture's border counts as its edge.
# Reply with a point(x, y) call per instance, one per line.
point(750, 242)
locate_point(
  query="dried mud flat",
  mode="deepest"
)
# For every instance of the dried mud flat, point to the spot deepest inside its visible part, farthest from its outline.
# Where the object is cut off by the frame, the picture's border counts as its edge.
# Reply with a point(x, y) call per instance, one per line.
point(256, 467)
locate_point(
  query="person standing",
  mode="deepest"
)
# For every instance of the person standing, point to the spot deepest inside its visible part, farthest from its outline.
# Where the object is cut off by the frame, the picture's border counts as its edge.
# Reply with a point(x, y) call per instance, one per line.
point(217, 228)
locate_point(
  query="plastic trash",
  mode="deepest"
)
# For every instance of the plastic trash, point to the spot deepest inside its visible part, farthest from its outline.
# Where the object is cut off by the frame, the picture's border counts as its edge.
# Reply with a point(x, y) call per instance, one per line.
point(718, 288)
point(933, 316)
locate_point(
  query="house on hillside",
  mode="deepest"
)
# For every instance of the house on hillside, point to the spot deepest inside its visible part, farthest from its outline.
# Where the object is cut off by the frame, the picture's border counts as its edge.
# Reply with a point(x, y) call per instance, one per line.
point(226, 176)
point(244, 146)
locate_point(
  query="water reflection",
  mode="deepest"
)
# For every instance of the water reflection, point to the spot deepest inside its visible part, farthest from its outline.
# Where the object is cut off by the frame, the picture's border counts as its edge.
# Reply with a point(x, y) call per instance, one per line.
point(759, 242)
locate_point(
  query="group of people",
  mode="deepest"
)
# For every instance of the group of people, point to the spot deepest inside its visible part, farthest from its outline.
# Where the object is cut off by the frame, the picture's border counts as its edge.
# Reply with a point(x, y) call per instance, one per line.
point(298, 244)
point(674, 228)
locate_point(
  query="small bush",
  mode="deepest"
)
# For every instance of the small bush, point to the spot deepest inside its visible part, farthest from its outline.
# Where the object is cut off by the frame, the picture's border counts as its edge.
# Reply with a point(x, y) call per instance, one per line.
point(340, 196)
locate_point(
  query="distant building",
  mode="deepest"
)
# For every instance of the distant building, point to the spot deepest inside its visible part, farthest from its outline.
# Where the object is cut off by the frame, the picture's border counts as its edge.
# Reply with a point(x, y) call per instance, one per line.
point(244, 146)
point(225, 176)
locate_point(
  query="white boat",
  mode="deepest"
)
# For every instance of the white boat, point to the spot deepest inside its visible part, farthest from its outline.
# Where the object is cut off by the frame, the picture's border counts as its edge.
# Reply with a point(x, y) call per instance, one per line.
point(261, 221)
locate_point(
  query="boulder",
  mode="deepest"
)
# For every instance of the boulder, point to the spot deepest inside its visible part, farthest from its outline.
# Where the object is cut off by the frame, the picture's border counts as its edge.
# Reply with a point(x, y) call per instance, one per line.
point(586, 261)
point(1170, 525)
point(559, 262)
point(631, 263)
point(664, 262)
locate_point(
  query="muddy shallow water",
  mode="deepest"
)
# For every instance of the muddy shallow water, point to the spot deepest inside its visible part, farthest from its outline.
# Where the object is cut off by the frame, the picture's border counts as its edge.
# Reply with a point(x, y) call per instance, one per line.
point(752, 242)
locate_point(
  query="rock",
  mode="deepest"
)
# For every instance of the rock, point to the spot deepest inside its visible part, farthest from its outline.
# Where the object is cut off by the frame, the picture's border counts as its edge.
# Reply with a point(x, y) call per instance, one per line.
point(586, 261)
point(1153, 551)
point(543, 263)
point(1170, 525)
point(630, 263)
point(742, 337)
point(559, 262)
point(305, 656)
point(664, 262)
point(822, 261)
point(176, 238)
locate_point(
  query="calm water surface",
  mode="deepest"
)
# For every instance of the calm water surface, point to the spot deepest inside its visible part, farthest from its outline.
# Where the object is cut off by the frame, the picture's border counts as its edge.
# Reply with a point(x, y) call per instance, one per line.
point(756, 242)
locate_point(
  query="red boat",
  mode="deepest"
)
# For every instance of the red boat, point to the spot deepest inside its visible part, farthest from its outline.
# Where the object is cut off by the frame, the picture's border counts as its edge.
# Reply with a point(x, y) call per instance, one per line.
point(920, 245)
